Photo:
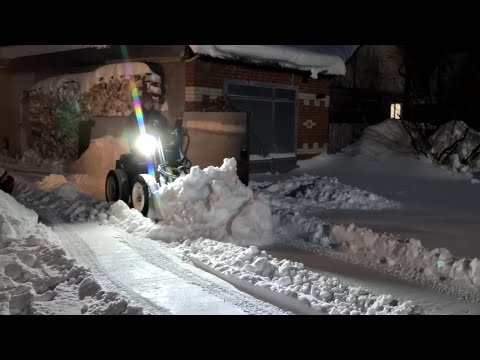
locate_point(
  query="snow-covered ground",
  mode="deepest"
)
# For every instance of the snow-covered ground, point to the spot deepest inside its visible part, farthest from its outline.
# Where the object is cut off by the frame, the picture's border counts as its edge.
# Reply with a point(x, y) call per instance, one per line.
point(248, 264)
point(404, 230)
point(194, 199)
point(432, 234)
point(37, 276)
point(321, 293)
point(206, 202)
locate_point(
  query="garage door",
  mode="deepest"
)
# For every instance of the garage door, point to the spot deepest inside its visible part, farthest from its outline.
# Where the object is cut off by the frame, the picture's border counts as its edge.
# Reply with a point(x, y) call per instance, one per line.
point(273, 123)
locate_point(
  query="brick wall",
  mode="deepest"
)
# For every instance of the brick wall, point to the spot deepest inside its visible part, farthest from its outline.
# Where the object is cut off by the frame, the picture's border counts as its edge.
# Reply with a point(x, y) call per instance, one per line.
point(204, 82)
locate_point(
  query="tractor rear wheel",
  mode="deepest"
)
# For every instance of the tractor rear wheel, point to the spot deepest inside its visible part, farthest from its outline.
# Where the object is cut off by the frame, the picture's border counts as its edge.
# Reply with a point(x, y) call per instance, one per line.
point(116, 186)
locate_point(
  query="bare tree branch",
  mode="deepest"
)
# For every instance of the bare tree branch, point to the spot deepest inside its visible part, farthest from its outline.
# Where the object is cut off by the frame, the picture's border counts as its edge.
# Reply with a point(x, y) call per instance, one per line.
point(453, 147)
point(413, 140)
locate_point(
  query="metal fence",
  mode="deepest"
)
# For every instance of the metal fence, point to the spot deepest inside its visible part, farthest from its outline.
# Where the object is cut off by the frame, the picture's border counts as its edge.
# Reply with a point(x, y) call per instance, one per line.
point(341, 135)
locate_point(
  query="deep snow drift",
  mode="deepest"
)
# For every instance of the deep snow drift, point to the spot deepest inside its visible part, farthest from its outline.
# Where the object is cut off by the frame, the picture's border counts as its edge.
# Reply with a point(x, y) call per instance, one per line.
point(381, 140)
point(36, 275)
point(390, 138)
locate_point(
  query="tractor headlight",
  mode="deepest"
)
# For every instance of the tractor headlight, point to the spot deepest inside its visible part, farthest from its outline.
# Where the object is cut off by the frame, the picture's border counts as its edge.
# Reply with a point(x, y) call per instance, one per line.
point(146, 144)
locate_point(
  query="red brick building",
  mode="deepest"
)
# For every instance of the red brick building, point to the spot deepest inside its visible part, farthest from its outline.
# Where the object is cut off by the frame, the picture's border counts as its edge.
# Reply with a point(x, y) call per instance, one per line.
point(205, 90)
point(287, 103)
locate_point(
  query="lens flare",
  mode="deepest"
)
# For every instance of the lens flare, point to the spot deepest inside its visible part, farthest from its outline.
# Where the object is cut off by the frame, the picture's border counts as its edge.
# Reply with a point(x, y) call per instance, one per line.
point(137, 106)
point(146, 144)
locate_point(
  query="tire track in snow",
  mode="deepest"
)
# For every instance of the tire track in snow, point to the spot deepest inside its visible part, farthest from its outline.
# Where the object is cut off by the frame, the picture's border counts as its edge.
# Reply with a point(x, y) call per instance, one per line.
point(157, 257)
point(81, 250)
point(78, 249)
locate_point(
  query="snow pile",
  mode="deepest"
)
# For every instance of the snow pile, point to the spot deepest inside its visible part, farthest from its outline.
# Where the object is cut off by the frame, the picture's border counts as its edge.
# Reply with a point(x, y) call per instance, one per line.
point(211, 202)
point(52, 182)
point(320, 293)
point(65, 201)
point(34, 270)
point(389, 137)
point(325, 62)
point(389, 251)
point(100, 157)
point(130, 220)
point(407, 255)
point(319, 192)
point(293, 226)
point(381, 140)
point(450, 133)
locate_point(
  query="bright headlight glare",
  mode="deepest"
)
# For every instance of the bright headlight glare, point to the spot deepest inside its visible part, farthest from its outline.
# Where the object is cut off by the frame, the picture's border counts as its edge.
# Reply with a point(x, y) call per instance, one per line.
point(146, 144)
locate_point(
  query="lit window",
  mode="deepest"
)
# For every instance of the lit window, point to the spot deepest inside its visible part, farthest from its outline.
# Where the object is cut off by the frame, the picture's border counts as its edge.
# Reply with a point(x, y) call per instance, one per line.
point(395, 111)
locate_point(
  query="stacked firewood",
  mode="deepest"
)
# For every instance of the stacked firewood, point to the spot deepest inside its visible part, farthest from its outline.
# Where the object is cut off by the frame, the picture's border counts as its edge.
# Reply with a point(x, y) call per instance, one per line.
point(49, 109)
point(113, 97)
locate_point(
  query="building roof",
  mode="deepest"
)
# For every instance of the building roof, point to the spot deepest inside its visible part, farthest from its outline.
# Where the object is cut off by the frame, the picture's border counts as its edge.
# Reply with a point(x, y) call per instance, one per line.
point(318, 59)
point(16, 51)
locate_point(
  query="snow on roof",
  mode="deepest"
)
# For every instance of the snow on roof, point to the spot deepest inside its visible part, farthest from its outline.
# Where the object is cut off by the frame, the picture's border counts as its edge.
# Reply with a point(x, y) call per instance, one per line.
point(88, 79)
point(318, 59)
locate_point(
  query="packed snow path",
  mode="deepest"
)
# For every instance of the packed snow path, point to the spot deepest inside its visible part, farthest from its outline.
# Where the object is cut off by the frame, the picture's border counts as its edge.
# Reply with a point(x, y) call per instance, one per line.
point(144, 272)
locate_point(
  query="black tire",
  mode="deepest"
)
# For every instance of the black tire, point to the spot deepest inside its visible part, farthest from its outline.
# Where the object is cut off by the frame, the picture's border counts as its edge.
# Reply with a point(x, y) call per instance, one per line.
point(7, 184)
point(140, 195)
point(116, 186)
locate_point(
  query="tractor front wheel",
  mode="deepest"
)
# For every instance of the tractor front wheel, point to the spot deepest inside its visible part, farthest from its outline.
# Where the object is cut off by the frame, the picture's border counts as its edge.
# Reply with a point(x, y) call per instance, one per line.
point(141, 193)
